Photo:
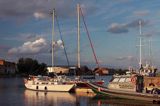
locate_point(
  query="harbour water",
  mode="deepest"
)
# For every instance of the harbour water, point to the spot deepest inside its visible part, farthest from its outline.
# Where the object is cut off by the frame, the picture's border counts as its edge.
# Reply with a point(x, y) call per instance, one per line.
point(13, 93)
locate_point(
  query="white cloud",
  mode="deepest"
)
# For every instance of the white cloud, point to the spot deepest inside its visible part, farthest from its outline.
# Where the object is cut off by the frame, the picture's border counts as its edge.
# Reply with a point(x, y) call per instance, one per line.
point(124, 28)
point(125, 58)
point(39, 15)
point(117, 28)
point(29, 47)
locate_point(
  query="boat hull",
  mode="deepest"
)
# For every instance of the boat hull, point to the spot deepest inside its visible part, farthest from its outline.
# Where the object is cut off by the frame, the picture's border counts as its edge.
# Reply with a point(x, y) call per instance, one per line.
point(52, 88)
point(123, 94)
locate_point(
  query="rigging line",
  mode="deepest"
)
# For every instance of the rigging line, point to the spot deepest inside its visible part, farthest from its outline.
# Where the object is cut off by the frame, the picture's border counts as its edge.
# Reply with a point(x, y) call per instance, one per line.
point(91, 44)
point(62, 39)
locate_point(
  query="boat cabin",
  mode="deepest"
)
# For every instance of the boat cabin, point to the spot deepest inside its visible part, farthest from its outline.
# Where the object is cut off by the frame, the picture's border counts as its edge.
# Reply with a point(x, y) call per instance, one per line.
point(132, 83)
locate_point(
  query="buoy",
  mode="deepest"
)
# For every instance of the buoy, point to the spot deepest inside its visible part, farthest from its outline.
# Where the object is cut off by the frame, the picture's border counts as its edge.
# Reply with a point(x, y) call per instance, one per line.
point(133, 80)
point(99, 89)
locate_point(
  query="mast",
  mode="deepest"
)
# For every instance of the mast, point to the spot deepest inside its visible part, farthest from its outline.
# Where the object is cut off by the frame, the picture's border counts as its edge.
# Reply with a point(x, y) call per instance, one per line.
point(140, 44)
point(53, 39)
point(78, 34)
point(88, 35)
point(150, 51)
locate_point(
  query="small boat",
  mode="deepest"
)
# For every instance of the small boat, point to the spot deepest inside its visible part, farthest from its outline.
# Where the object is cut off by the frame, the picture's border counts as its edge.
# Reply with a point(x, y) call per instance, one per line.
point(126, 86)
point(82, 86)
point(45, 83)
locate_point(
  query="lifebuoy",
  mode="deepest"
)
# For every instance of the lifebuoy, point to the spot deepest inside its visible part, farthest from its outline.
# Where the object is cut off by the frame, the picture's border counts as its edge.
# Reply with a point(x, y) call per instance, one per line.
point(133, 80)
point(99, 89)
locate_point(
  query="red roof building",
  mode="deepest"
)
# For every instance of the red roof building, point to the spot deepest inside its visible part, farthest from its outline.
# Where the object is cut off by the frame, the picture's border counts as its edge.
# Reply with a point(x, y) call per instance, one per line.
point(7, 67)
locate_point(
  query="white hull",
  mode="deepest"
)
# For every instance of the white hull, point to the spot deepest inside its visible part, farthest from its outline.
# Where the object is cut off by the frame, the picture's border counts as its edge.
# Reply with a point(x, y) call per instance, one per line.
point(46, 85)
point(50, 87)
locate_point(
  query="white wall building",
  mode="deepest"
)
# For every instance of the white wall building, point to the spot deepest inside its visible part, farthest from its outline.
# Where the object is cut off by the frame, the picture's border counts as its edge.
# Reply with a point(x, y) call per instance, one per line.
point(62, 70)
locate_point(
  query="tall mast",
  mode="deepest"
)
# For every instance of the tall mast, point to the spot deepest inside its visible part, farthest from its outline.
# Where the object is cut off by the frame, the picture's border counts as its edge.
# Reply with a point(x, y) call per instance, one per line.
point(78, 32)
point(140, 44)
point(150, 51)
point(53, 39)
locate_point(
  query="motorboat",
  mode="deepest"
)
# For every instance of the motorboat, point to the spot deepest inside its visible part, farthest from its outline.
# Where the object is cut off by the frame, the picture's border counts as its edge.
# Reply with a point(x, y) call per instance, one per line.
point(133, 86)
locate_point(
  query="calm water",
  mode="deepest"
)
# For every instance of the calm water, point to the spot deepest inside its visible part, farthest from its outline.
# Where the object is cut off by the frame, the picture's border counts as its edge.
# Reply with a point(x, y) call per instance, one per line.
point(13, 93)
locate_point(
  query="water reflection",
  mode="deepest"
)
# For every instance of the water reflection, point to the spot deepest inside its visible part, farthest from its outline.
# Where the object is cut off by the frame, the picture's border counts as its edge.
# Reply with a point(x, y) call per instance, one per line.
point(108, 101)
point(84, 94)
point(33, 98)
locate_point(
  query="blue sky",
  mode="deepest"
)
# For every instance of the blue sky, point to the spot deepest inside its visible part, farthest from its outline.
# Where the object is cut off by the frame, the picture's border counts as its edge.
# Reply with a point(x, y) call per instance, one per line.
point(25, 31)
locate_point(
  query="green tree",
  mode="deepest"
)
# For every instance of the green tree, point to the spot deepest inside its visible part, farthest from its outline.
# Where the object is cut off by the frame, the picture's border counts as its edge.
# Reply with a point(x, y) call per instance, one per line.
point(42, 70)
point(28, 66)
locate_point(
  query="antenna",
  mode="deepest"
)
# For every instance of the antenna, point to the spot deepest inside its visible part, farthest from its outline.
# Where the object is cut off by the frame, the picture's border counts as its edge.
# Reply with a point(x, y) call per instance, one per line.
point(78, 34)
point(53, 39)
point(140, 44)
point(150, 51)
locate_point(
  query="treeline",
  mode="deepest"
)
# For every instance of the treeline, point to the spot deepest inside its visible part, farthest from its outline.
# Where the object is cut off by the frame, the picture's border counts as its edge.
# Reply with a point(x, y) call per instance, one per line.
point(84, 70)
point(29, 66)
point(117, 71)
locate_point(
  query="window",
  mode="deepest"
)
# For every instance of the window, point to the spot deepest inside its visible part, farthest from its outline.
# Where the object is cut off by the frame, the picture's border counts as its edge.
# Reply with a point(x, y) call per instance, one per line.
point(128, 79)
point(115, 80)
point(122, 80)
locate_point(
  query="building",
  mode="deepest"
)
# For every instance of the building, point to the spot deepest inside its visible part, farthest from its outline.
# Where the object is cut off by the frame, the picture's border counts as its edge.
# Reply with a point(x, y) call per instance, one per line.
point(101, 71)
point(61, 70)
point(7, 67)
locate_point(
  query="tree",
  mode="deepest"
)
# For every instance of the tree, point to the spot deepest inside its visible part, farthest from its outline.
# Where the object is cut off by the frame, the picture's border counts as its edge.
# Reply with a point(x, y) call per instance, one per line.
point(42, 70)
point(29, 66)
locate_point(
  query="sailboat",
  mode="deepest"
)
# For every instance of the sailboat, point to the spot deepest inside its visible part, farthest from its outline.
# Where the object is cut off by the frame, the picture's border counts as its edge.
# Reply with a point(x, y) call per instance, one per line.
point(82, 86)
point(148, 69)
point(45, 83)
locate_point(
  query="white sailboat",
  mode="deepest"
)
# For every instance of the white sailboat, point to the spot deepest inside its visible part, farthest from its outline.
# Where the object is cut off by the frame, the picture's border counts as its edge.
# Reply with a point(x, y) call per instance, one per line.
point(146, 69)
point(82, 86)
point(44, 83)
